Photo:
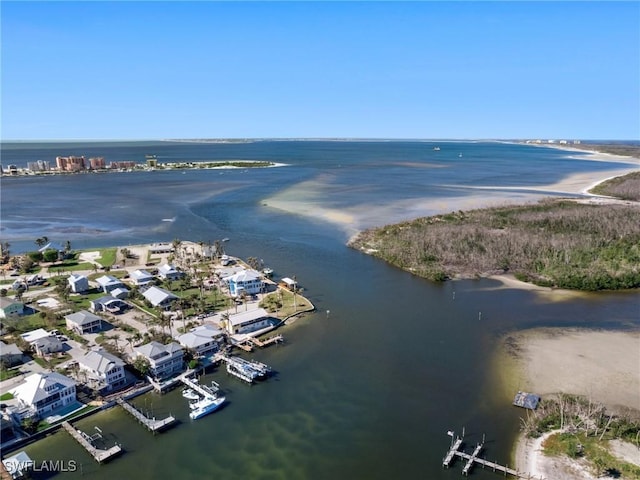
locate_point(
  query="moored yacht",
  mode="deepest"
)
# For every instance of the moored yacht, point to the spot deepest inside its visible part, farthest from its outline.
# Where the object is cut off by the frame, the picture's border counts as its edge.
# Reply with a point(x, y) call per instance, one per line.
point(205, 406)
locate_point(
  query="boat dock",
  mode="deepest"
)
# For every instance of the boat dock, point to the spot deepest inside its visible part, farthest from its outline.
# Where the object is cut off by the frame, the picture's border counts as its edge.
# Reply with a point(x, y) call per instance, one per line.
point(151, 423)
point(87, 442)
point(472, 459)
point(250, 342)
point(245, 370)
point(203, 390)
point(267, 341)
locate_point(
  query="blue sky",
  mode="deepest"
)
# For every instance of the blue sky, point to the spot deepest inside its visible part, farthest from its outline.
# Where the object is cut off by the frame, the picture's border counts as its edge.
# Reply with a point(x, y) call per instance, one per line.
point(154, 70)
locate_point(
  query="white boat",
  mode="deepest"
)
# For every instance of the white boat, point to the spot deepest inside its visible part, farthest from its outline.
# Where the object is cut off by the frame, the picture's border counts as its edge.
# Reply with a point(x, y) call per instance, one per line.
point(190, 394)
point(206, 406)
point(242, 372)
point(437, 149)
point(268, 272)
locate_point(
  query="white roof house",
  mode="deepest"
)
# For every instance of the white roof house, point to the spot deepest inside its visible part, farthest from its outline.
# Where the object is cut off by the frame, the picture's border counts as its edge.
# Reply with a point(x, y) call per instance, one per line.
point(108, 283)
point(83, 322)
point(247, 281)
point(104, 368)
point(164, 360)
point(250, 322)
point(34, 335)
point(45, 392)
point(78, 283)
point(290, 283)
point(169, 272)
point(204, 339)
point(141, 277)
point(159, 297)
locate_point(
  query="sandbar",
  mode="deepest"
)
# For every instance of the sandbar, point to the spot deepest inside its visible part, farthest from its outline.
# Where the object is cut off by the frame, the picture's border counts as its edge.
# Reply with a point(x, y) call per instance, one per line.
point(601, 365)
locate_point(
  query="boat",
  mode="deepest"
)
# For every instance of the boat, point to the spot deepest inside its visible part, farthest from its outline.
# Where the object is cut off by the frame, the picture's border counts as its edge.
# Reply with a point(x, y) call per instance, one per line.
point(190, 394)
point(268, 272)
point(225, 260)
point(206, 406)
point(242, 372)
point(437, 149)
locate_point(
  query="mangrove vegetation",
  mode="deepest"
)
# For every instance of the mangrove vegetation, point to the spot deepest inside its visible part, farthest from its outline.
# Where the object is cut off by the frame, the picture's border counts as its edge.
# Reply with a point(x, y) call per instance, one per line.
point(558, 243)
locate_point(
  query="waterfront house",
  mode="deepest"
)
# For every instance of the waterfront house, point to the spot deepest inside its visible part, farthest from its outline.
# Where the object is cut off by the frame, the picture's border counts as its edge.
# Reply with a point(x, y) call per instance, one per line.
point(169, 272)
point(78, 283)
point(109, 304)
point(19, 465)
point(250, 322)
point(10, 354)
point(83, 322)
point(165, 361)
point(109, 283)
point(289, 284)
point(104, 370)
point(160, 248)
point(142, 278)
point(202, 340)
point(44, 393)
point(47, 345)
point(159, 297)
point(10, 307)
point(245, 281)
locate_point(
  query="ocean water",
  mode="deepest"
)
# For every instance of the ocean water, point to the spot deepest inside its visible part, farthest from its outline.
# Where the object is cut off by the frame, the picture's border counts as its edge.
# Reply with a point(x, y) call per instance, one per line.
point(368, 385)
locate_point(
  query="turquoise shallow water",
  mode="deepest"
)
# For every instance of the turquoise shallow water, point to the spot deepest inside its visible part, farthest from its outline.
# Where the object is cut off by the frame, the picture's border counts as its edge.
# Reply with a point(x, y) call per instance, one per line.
point(368, 391)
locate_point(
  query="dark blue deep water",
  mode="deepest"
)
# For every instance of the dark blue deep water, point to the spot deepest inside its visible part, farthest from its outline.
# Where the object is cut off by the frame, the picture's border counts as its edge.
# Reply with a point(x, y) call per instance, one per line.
point(368, 391)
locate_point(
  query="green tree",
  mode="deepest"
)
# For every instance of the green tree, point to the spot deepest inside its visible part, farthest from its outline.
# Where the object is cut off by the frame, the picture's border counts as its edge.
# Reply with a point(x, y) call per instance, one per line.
point(41, 241)
point(142, 365)
point(50, 255)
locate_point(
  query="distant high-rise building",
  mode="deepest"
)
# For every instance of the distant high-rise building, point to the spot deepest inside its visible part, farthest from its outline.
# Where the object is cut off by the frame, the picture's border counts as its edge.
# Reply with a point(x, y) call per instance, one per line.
point(96, 163)
point(70, 164)
point(39, 166)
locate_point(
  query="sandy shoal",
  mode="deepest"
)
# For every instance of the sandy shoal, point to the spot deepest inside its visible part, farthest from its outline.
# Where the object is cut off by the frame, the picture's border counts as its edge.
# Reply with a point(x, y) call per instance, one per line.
point(601, 365)
point(309, 198)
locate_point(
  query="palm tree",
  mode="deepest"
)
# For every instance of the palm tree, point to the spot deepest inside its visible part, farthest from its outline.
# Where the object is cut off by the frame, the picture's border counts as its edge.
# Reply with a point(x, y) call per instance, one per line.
point(4, 251)
point(176, 246)
point(41, 241)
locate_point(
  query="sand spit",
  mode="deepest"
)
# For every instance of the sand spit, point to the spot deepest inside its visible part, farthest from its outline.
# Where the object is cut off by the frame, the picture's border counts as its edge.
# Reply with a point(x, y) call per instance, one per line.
point(601, 365)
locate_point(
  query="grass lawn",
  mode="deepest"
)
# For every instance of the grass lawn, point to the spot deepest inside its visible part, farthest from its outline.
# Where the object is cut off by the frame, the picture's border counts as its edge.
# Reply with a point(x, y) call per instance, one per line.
point(6, 396)
point(70, 266)
point(107, 257)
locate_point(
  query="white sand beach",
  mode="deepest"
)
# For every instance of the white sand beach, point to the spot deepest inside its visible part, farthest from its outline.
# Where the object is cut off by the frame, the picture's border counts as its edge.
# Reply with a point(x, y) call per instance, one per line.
point(308, 198)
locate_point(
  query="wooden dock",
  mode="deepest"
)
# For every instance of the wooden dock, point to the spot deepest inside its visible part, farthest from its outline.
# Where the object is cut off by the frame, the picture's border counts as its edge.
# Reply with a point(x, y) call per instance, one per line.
point(83, 439)
point(455, 451)
point(152, 424)
point(267, 341)
point(201, 389)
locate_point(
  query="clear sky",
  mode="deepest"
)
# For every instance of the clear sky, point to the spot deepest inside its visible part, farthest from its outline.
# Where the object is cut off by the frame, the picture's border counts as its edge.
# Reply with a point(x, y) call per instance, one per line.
point(156, 70)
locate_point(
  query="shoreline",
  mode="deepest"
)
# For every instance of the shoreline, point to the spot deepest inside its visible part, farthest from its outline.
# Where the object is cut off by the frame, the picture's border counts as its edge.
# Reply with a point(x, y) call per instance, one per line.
point(602, 365)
